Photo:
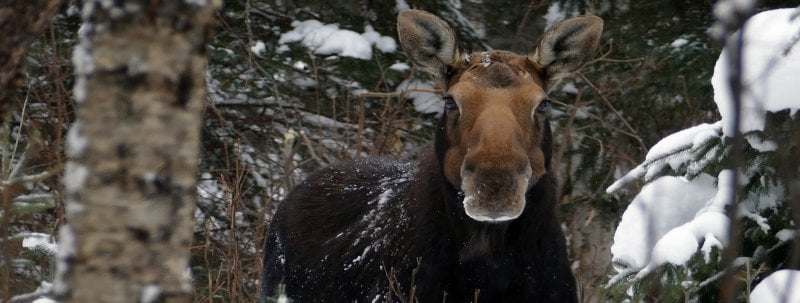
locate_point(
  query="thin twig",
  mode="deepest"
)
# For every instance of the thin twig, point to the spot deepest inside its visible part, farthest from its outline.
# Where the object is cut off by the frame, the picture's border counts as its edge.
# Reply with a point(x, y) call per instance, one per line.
point(567, 138)
point(381, 95)
point(604, 56)
point(602, 121)
point(33, 178)
point(521, 26)
point(393, 287)
point(632, 132)
point(310, 147)
point(21, 123)
point(730, 268)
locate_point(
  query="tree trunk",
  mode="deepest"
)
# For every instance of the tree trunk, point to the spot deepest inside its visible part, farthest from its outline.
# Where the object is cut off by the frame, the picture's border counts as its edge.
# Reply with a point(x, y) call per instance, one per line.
point(133, 151)
point(590, 245)
point(20, 23)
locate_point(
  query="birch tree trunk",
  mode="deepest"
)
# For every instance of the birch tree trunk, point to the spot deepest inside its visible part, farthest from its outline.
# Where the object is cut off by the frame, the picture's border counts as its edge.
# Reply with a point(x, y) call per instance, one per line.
point(133, 151)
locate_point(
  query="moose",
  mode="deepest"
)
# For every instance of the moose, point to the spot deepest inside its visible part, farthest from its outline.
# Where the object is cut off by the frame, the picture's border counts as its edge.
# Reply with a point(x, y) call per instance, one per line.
point(473, 218)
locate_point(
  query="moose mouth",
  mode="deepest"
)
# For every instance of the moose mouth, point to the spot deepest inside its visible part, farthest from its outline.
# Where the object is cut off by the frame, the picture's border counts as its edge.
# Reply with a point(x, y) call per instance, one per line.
point(495, 198)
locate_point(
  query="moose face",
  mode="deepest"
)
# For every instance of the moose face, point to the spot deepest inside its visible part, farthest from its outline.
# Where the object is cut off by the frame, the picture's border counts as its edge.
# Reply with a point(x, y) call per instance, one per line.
point(494, 128)
point(495, 106)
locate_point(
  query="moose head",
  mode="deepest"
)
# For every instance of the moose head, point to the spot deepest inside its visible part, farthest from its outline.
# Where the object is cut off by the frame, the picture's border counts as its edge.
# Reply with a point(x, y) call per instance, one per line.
point(495, 107)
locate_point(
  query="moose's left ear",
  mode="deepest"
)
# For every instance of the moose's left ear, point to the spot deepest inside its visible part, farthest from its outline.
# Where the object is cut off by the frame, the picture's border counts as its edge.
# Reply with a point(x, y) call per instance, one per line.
point(567, 46)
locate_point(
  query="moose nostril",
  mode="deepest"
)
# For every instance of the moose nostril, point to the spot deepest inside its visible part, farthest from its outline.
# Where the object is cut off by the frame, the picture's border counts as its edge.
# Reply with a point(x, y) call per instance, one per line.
point(470, 168)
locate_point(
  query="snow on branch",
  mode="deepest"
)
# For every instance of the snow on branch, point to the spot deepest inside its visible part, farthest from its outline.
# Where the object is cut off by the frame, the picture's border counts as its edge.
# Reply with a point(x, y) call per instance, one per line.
point(671, 217)
point(674, 150)
point(771, 61)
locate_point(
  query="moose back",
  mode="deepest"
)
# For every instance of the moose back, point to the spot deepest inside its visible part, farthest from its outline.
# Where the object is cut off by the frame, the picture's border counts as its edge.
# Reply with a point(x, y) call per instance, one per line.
point(473, 219)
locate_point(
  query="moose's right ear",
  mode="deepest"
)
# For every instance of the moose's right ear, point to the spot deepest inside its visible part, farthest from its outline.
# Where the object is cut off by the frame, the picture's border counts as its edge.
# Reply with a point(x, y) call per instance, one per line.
point(428, 40)
point(567, 46)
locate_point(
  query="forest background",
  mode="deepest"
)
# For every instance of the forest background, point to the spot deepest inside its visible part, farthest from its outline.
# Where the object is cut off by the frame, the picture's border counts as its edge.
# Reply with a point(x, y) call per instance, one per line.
point(276, 110)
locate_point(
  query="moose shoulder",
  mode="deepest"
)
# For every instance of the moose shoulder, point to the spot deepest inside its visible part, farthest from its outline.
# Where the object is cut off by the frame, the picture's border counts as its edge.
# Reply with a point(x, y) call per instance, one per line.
point(474, 217)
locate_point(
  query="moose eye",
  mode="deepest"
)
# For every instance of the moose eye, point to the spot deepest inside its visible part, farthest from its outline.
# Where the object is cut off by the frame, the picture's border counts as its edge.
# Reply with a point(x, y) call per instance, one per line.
point(544, 106)
point(450, 104)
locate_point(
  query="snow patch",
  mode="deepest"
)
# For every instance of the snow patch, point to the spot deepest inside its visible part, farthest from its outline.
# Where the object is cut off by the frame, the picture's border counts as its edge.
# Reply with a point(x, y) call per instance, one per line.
point(779, 287)
point(423, 96)
point(150, 293)
point(760, 144)
point(372, 225)
point(679, 244)
point(40, 241)
point(709, 243)
point(84, 65)
point(383, 43)
point(283, 299)
point(64, 256)
point(75, 176)
point(400, 67)
point(301, 66)
point(201, 3)
point(569, 87)
point(679, 43)
point(329, 39)
point(76, 143)
point(258, 48)
point(73, 10)
point(401, 5)
point(676, 247)
point(770, 66)
point(554, 14)
point(662, 205)
point(786, 235)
